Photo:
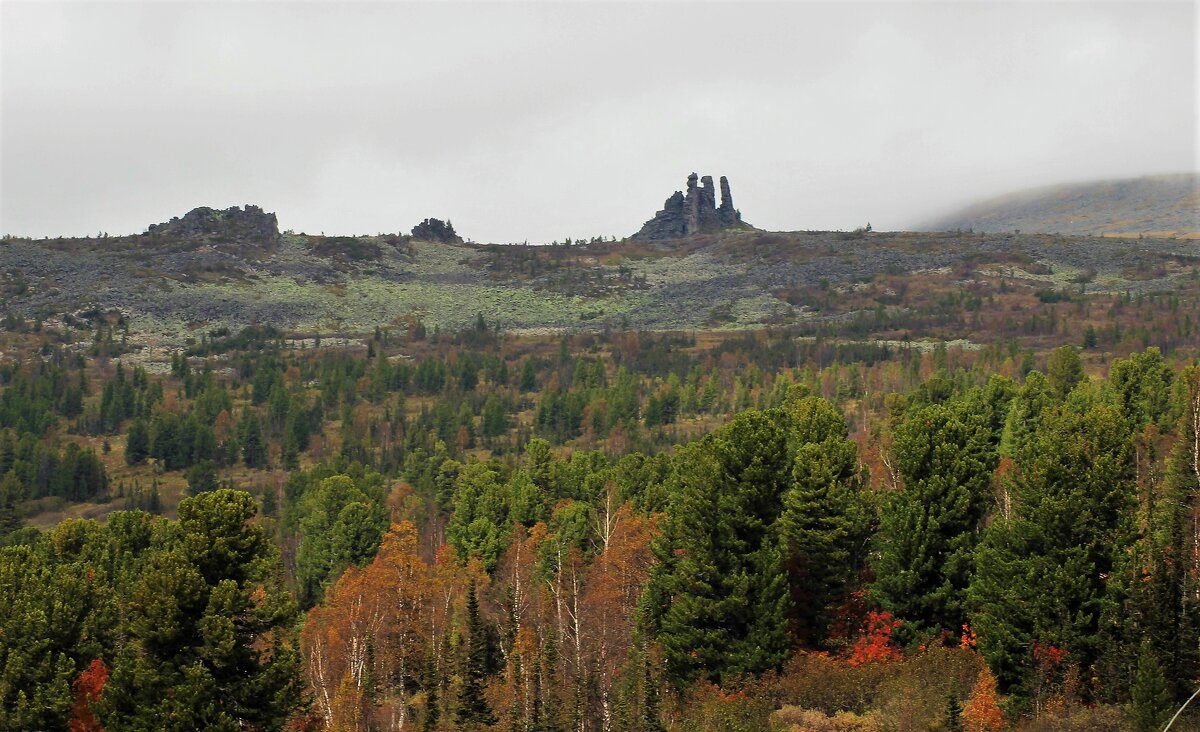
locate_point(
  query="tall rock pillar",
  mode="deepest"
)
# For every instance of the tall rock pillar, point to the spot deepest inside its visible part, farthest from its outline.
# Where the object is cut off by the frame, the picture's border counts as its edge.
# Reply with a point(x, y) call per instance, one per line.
point(695, 212)
point(727, 215)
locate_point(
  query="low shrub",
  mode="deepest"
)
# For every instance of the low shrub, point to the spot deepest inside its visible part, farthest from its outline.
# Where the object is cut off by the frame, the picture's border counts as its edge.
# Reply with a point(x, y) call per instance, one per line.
point(797, 719)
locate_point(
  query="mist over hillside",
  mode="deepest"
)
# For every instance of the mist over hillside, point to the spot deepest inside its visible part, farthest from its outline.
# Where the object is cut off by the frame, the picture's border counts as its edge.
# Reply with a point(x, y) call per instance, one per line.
point(1160, 205)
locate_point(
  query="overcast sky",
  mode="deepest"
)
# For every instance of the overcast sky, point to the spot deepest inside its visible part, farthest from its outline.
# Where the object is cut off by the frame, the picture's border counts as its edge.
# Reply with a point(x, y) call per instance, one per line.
point(538, 121)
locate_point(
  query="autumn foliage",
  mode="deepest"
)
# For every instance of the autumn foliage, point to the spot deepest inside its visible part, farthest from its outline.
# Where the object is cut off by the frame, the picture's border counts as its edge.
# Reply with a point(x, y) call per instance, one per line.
point(373, 626)
point(387, 643)
point(86, 690)
point(875, 645)
point(982, 711)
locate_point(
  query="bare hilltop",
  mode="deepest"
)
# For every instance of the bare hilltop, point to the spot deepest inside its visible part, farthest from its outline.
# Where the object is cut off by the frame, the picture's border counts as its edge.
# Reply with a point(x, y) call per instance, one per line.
point(1159, 205)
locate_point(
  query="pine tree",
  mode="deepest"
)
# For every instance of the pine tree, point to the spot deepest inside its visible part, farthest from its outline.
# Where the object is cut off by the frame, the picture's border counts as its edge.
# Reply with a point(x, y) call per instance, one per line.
point(290, 453)
point(8, 451)
point(1150, 700)
point(1155, 579)
point(137, 443)
point(473, 710)
point(551, 709)
point(254, 448)
point(953, 713)
point(718, 598)
point(1064, 370)
point(928, 530)
point(1033, 399)
point(1042, 573)
point(202, 478)
point(651, 719)
point(11, 491)
point(1142, 385)
point(516, 715)
point(207, 645)
point(38, 639)
point(1089, 337)
point(479, 524)
point(433, 710)
point(1175, 625)
point(824, 520)
point(528, 379)
point(154, 500)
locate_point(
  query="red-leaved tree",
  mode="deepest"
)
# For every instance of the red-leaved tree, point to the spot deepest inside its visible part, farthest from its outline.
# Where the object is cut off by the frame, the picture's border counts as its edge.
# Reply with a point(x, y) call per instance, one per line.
point(87, 688)
point(874, 644)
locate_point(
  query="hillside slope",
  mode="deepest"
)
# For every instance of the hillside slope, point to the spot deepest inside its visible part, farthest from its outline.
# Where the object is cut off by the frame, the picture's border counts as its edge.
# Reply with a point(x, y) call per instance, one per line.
point(180, 280)
point(1162, 205)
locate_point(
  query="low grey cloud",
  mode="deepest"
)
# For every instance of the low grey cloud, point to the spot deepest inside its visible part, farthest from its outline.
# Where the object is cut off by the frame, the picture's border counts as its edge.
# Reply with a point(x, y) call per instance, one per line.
point(539, 121)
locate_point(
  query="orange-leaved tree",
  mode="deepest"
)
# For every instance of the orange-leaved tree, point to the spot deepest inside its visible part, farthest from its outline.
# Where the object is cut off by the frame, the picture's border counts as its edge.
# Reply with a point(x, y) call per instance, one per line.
point(982, 711)
point(368, 637)
point(610, 599)
point(86, 690)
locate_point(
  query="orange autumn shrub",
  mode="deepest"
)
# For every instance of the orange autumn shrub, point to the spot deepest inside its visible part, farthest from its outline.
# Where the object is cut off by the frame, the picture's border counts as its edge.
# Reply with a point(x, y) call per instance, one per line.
point(982, 711)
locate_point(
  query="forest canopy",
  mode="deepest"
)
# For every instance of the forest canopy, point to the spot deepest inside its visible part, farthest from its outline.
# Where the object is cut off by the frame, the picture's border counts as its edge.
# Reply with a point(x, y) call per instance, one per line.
point(618, 532)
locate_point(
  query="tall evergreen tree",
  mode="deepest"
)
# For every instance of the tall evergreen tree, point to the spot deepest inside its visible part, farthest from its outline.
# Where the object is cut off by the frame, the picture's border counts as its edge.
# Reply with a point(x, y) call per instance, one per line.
point(432, 682)
point(1150, 701)
point(254, 446)
point(1024, 412)
point(1042, 573)
point(651, 719)
point(825, 521)
point(11, 492)
point(718, 597)
point(1160, 573)
point(1142, 385)
point(137, 443)
point(473, 709)
point(478, 526)
point(208, 621)
point(55, 611)
point(1064, 370)
point(202, 478)
point(339, 524)
point(924, 559)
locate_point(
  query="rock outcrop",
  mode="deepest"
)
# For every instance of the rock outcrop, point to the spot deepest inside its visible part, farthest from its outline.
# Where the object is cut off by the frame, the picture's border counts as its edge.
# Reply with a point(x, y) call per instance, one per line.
point(727, 215)
point(249, 225)
point(436, 230)
point(695, 212)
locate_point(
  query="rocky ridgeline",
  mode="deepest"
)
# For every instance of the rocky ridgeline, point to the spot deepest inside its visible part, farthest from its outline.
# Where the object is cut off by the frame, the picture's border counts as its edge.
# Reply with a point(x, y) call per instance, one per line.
point(695, 212)
point(248, 225)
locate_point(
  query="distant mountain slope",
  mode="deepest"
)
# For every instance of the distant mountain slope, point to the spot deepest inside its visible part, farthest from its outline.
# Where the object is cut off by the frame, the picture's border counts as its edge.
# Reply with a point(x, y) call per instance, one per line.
point(1161, 205)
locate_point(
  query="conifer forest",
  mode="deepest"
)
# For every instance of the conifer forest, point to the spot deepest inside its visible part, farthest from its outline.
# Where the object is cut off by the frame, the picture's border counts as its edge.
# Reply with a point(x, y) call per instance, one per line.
point(595, 532)
point(586, 366)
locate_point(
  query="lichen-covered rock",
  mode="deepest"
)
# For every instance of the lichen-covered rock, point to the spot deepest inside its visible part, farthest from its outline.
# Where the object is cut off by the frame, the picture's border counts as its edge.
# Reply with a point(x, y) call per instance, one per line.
point(436, 230)
point(669, 223)
point(694, 213)
point(250, 224)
